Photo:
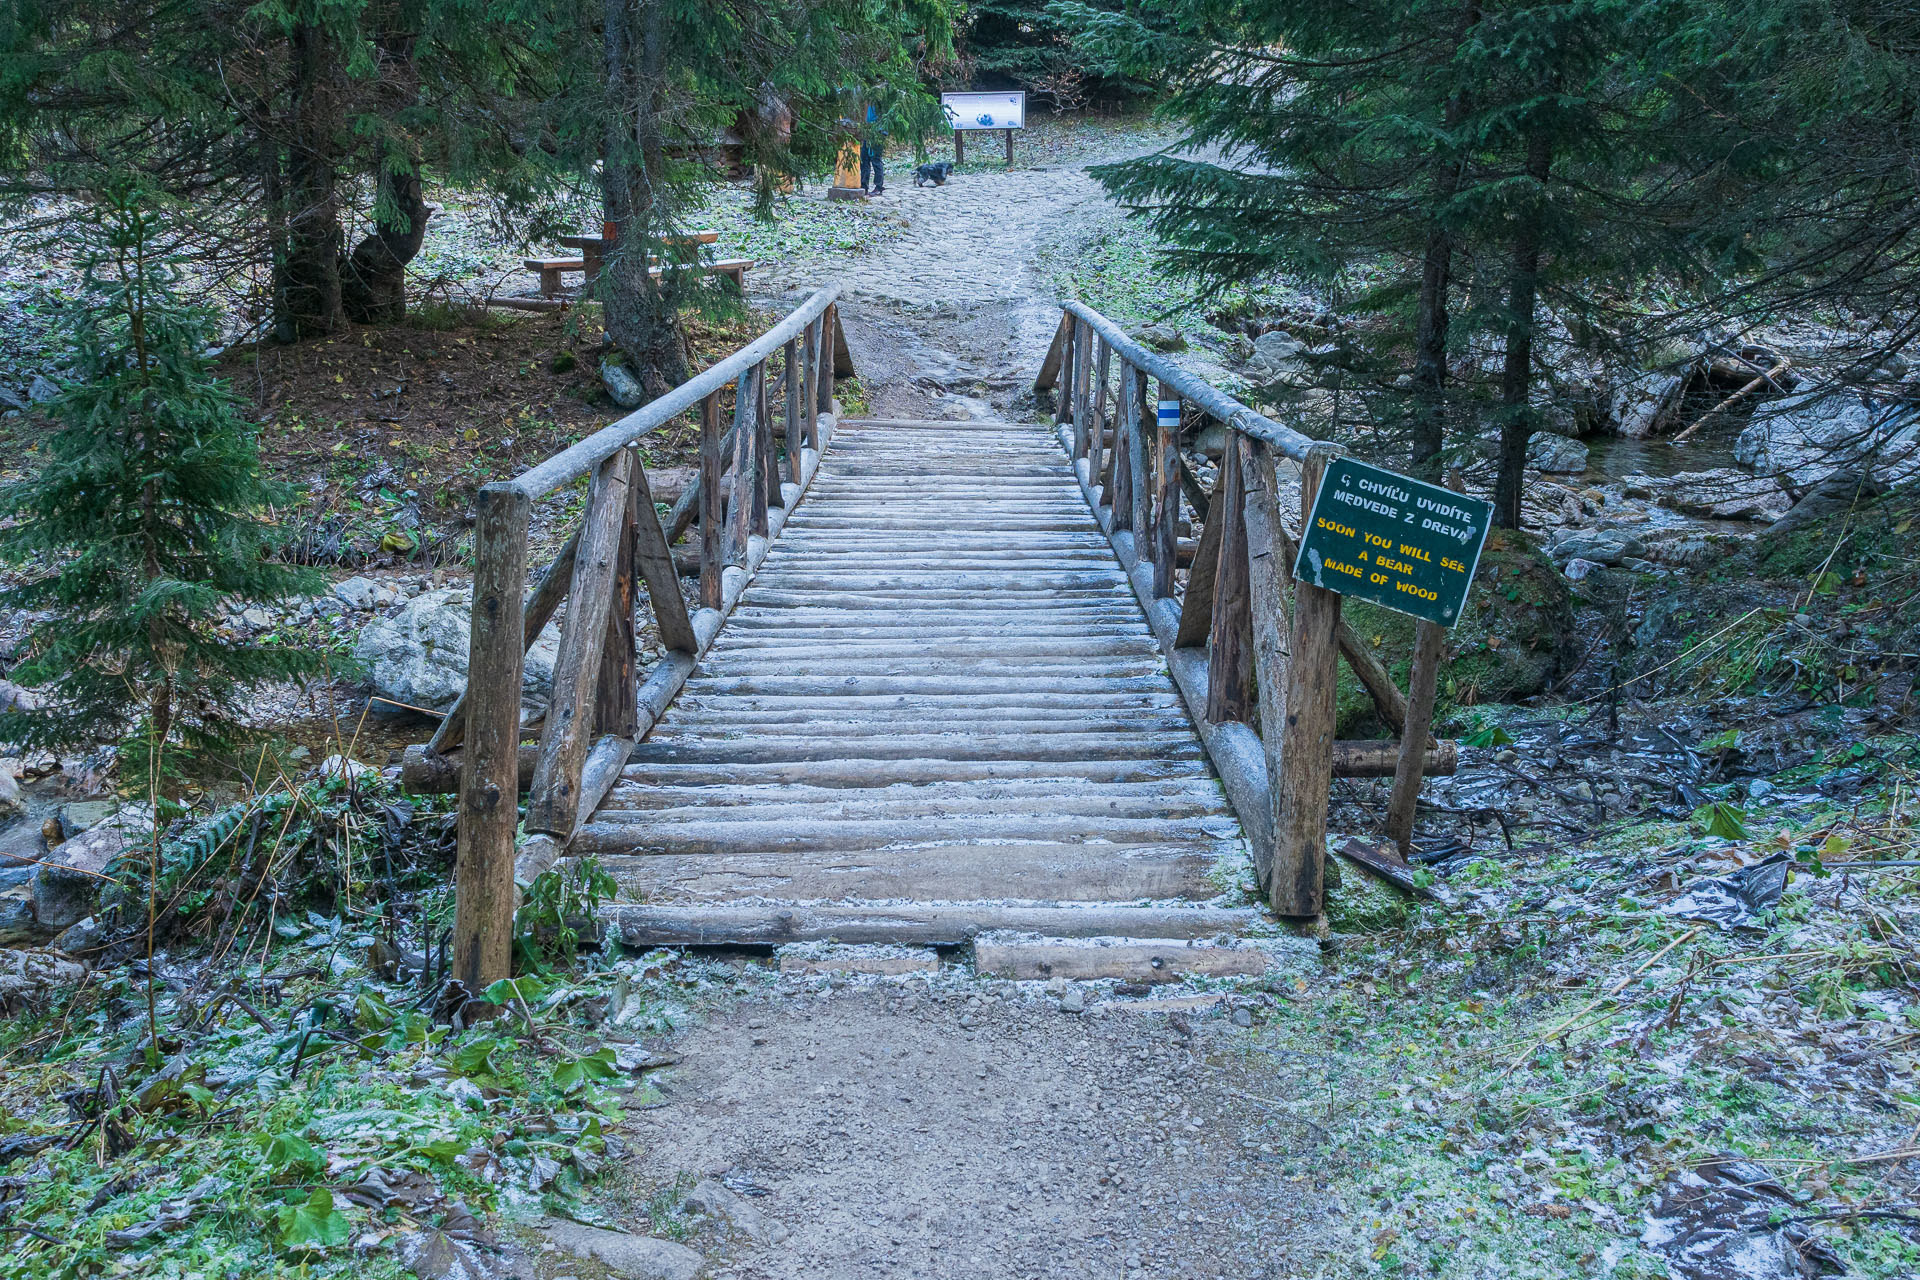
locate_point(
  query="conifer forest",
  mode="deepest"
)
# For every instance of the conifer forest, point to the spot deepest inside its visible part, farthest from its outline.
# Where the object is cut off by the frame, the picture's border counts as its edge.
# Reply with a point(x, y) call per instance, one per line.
point(960, 639)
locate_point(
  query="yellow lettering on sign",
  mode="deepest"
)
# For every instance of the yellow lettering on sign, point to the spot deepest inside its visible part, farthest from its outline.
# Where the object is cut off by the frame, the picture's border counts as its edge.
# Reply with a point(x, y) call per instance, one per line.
point(1331, 527)
point(1454, 565)
point(1414, 553)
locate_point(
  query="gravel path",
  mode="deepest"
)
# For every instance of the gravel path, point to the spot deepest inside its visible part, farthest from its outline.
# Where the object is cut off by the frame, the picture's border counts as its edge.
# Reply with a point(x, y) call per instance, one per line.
point(950, 317)
point(952, 1127)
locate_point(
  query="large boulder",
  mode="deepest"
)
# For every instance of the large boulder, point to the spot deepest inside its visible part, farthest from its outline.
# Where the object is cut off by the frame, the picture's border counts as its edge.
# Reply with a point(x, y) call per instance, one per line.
point(418, 655)
point(1837, 493)
point(1279, 357)
point(1802, 439)
point(1598, 546)
point(1721, 493)
point(630, 1257)
point(1556, 454)
point(67, 883)
point(1643, 403)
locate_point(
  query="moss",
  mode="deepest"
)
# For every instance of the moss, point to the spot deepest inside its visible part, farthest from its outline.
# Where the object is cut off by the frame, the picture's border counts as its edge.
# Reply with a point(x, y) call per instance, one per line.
point(1357, 903)
point(1515, 639)
point(1873, 536)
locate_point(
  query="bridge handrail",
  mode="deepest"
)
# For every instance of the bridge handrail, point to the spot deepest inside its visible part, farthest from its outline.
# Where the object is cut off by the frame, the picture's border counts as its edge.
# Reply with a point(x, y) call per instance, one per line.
point(1206, 397)
point(580, 459)
point(1259, 677)
point(599, 708)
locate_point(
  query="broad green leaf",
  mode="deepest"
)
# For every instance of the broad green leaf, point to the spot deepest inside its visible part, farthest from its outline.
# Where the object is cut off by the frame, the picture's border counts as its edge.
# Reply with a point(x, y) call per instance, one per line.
point(1727, 820)
point(291, 1153)
point(313, 1225)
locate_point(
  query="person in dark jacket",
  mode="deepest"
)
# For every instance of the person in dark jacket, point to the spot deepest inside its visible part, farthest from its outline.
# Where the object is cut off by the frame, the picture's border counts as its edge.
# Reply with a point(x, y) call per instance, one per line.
point(873, 173)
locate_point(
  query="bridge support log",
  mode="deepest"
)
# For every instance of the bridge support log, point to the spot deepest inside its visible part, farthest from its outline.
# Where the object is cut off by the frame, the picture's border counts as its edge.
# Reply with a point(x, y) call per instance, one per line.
point(488, 813)
point(564, 741)
point(1306, 733)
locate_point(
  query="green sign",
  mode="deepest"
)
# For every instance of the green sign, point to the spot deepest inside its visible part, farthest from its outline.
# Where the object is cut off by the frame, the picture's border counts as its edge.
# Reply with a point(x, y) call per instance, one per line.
point(1393, 540)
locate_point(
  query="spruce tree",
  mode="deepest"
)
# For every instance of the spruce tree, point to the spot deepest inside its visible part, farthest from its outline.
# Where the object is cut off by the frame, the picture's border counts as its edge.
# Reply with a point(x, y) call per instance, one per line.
point(1557, 156)
point(147, 521)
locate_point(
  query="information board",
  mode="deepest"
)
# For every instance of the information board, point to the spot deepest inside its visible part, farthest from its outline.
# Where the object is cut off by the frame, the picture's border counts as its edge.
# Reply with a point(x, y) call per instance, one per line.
point(1007, 110)
point(1380, 536)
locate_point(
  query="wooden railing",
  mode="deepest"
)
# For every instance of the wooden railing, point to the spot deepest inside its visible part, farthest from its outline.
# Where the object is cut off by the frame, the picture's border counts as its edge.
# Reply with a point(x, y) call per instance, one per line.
point(599, 708)
point(1245, 641)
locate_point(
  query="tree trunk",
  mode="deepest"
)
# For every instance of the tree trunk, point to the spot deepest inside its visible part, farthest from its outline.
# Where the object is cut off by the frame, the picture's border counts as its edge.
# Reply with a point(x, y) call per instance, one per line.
point(374, 283)
point(640, 312)
point(1430, 357)
point(1436, 276)
point(374, 279)
point(1516, 373)
point(312, 270)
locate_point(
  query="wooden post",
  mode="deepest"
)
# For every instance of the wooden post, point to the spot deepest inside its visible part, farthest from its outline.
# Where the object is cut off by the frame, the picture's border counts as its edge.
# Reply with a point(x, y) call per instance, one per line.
point(653, 558)
point(1087, 354)
point(1267, 577)
point(615, 700)
point(1229, 673)
point(1306, 751)
point(1196, 605)
point(1125, 428)
point(1109, 439)
point(547, 595)
point(959, 146)
point(792, 406)
point(1166, 483)
point(1430, 640)
point(555, 800)
point(823, 388)
point(1050, 377)
point(764, 454)
point(740, 516)
point(489, 813)
point(712, 538)
point(1140, 464)
point(811, 369)
point(1009, 148)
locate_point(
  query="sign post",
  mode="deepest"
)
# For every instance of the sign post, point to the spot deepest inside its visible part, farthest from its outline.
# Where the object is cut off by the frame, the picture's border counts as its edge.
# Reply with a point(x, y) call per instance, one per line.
point(1409, 546)
point(983, 113)
point(1395, 541)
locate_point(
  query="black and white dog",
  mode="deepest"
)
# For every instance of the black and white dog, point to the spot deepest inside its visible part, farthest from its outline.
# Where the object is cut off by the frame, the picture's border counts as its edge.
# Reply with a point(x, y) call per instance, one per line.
point(933, 175)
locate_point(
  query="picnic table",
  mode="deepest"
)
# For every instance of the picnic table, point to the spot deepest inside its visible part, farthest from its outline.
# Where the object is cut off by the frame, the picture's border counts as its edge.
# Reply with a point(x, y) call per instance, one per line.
point(594, 249)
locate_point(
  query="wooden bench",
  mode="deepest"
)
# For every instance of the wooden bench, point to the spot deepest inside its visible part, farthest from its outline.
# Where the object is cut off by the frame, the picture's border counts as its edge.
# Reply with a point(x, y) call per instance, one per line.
point(552, 269)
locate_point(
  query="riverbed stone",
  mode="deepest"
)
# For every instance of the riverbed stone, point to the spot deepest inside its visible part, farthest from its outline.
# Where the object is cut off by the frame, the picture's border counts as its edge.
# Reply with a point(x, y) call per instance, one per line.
point(627, 1256)
point(1804, 438)
point(1556, 454)
point(1641, 403)
point(1601, 546)
point(357, 593)
point(1279, 356)
point(42, 389)
point(1834, 494)
point(66, 884)
point(418, 656)
point(622, 385)
point(17, 925)
point(1721, 493)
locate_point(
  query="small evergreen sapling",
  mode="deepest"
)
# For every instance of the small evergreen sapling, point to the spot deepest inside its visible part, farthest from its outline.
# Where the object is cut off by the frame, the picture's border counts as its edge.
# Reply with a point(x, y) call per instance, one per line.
point(148, 519)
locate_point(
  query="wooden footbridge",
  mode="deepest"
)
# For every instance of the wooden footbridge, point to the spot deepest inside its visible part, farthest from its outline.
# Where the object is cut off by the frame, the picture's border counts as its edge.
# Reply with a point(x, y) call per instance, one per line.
point(938, 679)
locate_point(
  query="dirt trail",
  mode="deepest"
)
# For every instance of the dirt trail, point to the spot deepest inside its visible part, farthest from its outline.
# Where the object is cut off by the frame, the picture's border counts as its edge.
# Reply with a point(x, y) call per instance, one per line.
point(955, 1127)
point(950, 318)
